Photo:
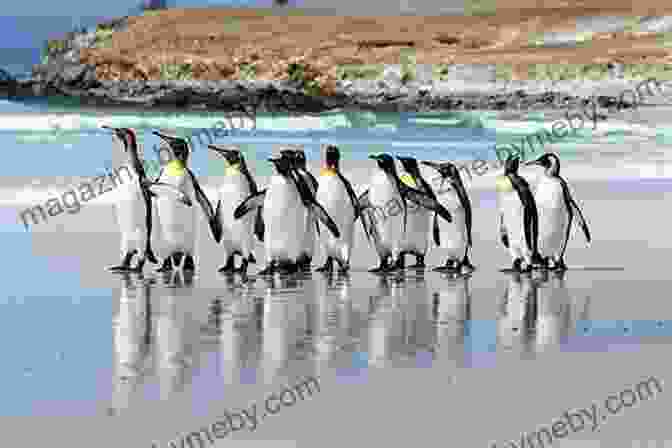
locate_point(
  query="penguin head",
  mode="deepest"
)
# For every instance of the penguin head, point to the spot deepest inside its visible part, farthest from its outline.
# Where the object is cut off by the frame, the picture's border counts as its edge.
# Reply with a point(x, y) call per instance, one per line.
point(332, 157)
point(283, 165)
point(126, 136)
point(300, 158)
point(511, 165)
point(549, 161)
point(385, 162)
point(446, 169)
point(230, 153)
point(178, 145)
point(410, 165)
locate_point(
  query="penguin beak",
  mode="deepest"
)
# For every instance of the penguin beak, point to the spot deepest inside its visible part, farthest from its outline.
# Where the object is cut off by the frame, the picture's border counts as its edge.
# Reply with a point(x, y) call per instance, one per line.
point(374, 157)
point(533, 162)
point(434, 165)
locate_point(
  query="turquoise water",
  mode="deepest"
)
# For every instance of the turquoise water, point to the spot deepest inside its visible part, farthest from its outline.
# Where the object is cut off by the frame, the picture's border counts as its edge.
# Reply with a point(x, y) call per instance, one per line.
point(69, 142)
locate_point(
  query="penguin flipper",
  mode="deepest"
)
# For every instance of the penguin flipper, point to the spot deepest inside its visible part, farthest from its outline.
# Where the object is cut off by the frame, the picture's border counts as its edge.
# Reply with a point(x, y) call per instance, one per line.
point(320, 213)
point(572, 205)
point(530, 214)
point(370, 228)
point(436, 231)
point(503, 234)
point(252, 202)
point(426, 201)
point(206, 206)
point(259, 226)
point(364, 205)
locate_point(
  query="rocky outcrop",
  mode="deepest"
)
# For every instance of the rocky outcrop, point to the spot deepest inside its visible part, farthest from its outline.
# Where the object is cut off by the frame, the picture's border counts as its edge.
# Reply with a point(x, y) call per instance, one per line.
point(465, 87)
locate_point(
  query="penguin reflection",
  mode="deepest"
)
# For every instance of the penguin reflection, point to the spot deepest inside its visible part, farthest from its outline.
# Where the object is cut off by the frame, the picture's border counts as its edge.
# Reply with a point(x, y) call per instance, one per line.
point(172, 325)
point(385, 332)
point(331, 316)
point(132, 334)
point(558, 312)
point(418, 326)
point(284, 322)
point(237, 330)
point(452, 313)
point(515, 325)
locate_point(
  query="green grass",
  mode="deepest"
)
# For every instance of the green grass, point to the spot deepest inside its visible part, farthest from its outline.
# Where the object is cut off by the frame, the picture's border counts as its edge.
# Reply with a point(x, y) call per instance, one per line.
point(440, 71)
point(407, 60)
point(176, 72)
point(151, 12)
point(103, 36)
point(248, 71)
point(504, 72)
point(297, 73)
point(359, 71)
point(480, 7)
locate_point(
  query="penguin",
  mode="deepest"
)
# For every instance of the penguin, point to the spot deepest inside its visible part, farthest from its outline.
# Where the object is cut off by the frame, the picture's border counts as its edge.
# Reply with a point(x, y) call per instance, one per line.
point(382, 204)
point(178, 220)
point(133, 207)
point(518, 217)
point(415, 241)
point(336, 194)
point(238, 185)
point(557, 209)
point(284, 203)
point(458, 239)
point(298, 156)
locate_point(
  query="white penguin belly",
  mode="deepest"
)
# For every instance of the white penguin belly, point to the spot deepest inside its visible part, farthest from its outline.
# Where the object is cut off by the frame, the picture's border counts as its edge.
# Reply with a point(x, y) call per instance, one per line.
point(237, 234)
point(284, 217)
point(453, 234)
point(553, 218)
point(131, 214)
point(389, 212)
point(513, 212)
point(178, 221)
point(417, 230)
point(333, 196)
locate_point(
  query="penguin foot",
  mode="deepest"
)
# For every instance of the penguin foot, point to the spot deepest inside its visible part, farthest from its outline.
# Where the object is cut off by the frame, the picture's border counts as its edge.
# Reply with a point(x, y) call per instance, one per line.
point(382, 267)
point(467, 264)
point(243, 266)
point(303, 262)
point(149, 255)
point(228, 267)
point(517, 265)
point(125, 265)
point(166, 266)
point(343, 267)
point(399, 264)
point(138, 267)
point(268, 270)
point(327, 267)
point(450, 266)
point(287, 267)
point(251, 259)
point(538, 262)
point(189, 264)
point(419, 262)
point(560, 265)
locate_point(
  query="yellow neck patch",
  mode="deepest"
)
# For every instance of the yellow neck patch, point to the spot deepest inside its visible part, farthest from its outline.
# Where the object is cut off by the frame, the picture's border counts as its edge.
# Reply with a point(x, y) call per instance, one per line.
point(175, 168)
point(327, 172)
point(503, 184)
point(232, 170)
point(408, 180)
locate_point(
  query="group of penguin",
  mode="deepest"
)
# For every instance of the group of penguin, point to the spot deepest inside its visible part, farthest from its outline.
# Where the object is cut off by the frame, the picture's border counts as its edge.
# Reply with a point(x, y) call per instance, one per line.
point(288, 214)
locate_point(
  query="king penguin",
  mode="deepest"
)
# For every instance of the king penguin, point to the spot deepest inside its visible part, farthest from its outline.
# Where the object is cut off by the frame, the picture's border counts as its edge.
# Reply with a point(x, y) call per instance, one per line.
point(416, 239)
point(284, 203)
point(336, 194)
point(238, 185)
point(298, 156)
point(133, 207)
point(557, 209)
point(178, 219)
point(518, 217)
point(457, 234)
point(385, 211)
